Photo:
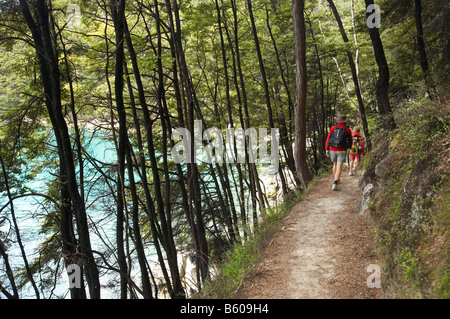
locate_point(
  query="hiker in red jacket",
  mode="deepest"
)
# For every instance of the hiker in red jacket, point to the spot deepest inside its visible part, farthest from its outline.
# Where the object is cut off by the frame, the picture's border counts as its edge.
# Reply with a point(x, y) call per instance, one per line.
point(339, 140)
point(356, 151)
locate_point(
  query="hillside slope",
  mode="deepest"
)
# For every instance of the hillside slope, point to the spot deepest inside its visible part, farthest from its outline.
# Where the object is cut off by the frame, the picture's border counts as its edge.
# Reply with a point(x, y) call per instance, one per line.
point(405, 191)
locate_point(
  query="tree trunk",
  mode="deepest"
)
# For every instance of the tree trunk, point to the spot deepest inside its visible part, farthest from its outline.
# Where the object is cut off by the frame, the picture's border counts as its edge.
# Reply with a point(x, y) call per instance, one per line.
point(382, 85)
point(362, 110)
point(164, 117)
point(164, 233)
point(422, 50)
point(300, 94)
point(16, 229)
point(9, 273)
point(118, 12)
point(285, 138)
point(266, 96)
point(243, 114)
point(193, 174)
point(50, 76)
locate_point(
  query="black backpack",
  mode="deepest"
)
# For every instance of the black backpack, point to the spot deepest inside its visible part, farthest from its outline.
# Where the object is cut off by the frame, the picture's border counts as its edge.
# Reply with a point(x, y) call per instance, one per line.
point(340, 138)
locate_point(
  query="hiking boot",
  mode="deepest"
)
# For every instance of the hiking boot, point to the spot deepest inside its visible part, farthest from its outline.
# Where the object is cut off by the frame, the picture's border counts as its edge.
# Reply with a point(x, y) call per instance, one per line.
point(350, 173)
point(334, 187)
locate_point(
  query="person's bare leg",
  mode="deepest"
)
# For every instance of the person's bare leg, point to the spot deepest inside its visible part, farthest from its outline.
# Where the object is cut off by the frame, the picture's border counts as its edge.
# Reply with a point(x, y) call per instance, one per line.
point(356, 163)
point(351, 168)
point(337, 174)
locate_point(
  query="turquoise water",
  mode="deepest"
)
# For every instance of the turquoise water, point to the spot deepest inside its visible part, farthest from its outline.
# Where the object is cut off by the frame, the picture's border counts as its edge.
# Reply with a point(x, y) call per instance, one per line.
point(101, 208)
point(100, 205)
point(31, 211)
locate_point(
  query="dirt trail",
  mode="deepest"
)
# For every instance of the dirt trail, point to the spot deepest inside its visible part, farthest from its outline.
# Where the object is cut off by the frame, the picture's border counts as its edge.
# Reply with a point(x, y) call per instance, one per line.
point(322, 250)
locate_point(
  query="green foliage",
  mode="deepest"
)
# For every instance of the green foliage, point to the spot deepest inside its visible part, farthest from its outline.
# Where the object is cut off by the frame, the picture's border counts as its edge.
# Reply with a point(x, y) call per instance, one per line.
point(28, 147)
point(239, 260)
point(440, 253)
point(409, 211)
point(410, 270)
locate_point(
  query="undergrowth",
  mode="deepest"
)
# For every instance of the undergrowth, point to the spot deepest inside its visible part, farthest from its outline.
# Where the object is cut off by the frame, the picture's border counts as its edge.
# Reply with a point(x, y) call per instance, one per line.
point(239, 260)
point(411, 209)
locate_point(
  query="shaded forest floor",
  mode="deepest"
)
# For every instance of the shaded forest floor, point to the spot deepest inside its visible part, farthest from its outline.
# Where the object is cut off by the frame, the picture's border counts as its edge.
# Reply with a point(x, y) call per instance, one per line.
point(322, 250)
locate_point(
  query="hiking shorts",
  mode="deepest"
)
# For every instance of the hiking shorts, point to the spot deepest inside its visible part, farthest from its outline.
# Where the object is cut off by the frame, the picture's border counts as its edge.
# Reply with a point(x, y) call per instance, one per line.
point(338, 156)
point(355, 157)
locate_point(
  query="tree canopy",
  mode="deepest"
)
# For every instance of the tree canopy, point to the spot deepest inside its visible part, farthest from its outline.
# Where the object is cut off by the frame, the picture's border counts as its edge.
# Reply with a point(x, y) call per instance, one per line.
point(92, 92)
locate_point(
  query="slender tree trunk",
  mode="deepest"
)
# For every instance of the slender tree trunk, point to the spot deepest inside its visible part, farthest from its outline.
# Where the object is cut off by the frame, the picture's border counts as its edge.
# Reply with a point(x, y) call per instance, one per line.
point(355, 36)
point(245, 114)
point(266, 95)
point(193, 174)
point(285, 138)
point(69, 241)
point(420, 37)
point(422, 50)
point(150, 208)
point(302, 169)
point(355, 77)
point(125, 151)
point(50, 76)
point(164, 117)
point(382, 85)
point(9, 273)
point(320, 119)
point(239, 166)
point(17, 231)
point(145, 276)
point(175, 288)
point(225, 66)
point(118, 13)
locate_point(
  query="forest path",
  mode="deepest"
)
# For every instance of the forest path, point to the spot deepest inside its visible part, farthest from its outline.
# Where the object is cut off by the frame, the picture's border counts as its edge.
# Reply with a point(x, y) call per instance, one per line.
point(322, 250)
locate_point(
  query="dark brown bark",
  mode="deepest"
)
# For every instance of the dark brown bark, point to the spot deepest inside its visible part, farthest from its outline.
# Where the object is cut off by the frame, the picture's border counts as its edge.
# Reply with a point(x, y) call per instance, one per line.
point(10, 275)
point(17, 231)
point(50, 77)
point(420, 37)
point(118, 8)
point(362, 109)
point(284, 134)
point(320, 118)
point(193, 174)
point(267, 99)
point(239, 166)
point(226, 200)
point(243, 113)
point(124, 153)
point(302, 168)
point(163, 233)
point(382, 85)
point(178, 291)
point(422, 50)
point(68, 236)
